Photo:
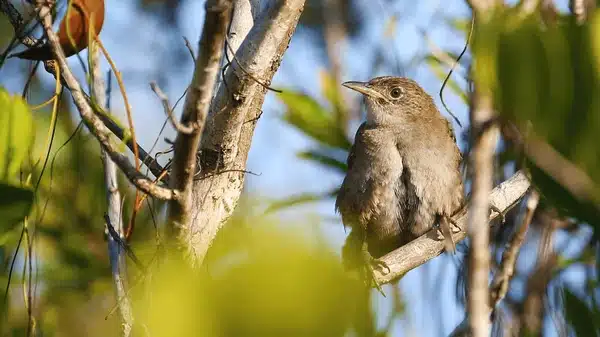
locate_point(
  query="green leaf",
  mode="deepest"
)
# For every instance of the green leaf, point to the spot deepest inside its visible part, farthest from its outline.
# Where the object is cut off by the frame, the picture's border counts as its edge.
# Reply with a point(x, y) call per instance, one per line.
point(16, 134)
point(331, 91)
point(579, 316)
point(546, 82)
point(299, 199)
point(308, 116)
point(324, 160)
point(15, 203)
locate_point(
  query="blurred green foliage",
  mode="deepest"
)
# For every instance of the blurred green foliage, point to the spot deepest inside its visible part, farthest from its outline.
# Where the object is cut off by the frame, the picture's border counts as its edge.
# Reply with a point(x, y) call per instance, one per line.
point(546, 81)
point(263, 280)
point(16, 138)
point(584, 320)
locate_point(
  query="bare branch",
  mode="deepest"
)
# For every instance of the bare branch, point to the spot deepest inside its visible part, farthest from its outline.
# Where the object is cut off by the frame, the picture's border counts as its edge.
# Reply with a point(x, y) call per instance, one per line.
point(167, 107)
point(499, 286)
point(95, 125)
point(532, 313)
point(113, 197)
point(417, 252)
point(482, 160)
point(483, 173)
point(188, 45)
point(149, 161)
point(227, 137)
point(18, 24)
point(195, 109)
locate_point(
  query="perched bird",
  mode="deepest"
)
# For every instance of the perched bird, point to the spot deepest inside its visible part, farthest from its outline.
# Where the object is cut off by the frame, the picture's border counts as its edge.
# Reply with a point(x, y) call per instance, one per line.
point(80, 17)
point(403, 173)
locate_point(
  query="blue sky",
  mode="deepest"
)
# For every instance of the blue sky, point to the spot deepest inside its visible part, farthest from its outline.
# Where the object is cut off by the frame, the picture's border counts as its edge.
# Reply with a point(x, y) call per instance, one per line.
point(138, 45)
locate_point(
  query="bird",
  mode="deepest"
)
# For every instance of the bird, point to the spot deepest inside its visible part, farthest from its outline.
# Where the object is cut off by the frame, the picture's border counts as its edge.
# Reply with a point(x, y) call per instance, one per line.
point(403, 174)
point(80, 15)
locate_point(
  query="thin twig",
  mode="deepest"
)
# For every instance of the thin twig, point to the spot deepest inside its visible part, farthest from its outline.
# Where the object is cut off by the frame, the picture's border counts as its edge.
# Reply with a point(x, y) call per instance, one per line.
point(499, 286)
point(95, 125)
point(125, 99)
point(501, 281)
point(118, 262)
point(185, 129)
point(189, 48)
point(452, 70)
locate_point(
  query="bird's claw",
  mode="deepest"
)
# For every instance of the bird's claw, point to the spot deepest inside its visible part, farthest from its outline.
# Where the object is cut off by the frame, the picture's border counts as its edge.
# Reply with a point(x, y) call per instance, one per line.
point(380, 265)
point(372, 264)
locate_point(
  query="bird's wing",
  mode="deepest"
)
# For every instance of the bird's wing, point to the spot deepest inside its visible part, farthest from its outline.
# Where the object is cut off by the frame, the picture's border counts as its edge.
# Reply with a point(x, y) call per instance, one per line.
point(352, 152)
point(450, 131)
point(340, 200)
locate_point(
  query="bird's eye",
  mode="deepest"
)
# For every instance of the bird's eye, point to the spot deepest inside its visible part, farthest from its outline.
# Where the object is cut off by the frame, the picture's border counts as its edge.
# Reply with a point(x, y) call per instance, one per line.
point(396, 92)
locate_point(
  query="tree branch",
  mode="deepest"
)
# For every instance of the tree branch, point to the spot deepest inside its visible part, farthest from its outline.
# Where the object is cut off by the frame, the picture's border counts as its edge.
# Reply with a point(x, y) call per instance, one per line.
point(499, 286)
point(228, 134)
point(195, 109)
point(17, 21)
point(95, 125)
point(501, 281)
point(426, 247)
point(113, 197)
point(482, 156)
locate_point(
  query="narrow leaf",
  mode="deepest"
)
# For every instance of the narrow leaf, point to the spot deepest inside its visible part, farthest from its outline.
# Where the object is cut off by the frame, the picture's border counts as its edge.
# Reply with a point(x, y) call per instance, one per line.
point(324, 160)
point(308, 116)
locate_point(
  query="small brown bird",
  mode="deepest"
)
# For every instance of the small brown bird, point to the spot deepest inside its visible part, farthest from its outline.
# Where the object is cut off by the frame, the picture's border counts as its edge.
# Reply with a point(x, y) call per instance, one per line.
point(80, 16)
point(403, 173)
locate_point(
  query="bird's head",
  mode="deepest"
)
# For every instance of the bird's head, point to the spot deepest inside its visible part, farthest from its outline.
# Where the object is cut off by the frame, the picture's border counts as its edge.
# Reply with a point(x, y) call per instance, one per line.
point(392, 100)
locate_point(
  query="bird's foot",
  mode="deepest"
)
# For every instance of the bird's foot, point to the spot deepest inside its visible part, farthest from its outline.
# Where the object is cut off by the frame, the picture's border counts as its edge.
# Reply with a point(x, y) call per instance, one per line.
point(499, 211)
point(447, 227)
point(372, 264)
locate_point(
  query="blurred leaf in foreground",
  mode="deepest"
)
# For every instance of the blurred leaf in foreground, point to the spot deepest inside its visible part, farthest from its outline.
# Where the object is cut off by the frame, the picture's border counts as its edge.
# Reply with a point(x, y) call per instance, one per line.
point(16, 134)
point(549, 90)
point(579, 316)
point(264, 281)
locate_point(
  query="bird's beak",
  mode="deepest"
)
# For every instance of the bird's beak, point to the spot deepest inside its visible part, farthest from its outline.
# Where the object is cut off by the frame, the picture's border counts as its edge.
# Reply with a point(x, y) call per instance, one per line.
point(364, 89)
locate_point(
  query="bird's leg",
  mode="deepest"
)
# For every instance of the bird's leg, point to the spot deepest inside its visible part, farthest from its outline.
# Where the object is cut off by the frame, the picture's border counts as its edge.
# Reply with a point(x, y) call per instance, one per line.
point(445, 232)
point(356, 256)
point(370, 265)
